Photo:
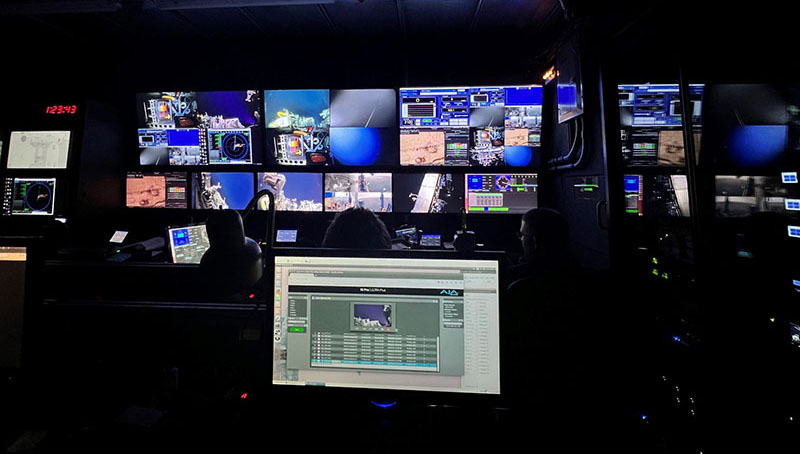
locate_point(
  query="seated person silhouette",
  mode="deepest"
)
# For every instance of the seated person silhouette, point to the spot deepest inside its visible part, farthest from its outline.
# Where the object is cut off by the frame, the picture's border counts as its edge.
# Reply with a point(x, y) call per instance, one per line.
point(357, 228)
point(544, 234)
point(233, 263)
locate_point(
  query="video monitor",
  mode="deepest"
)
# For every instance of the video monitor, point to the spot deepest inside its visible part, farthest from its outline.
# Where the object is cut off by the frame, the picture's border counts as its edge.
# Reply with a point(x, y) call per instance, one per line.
point(188, 244)
point(293, 191)
point(741, 196)
point(414, 324)
point(651, 124)
point(38, 149)
point(366, 190)
point(428, 193)
point(470, 126)
point(29, 196)
point(501, 193)
point(200, 128)
point(157, 190)
point(363, 127)
point(657, 195)
point(286, 236)
point(222, 190)
point(298, 126)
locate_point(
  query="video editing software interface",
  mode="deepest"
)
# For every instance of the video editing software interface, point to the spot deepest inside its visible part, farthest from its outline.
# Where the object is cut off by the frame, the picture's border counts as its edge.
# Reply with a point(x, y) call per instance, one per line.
point(157, 190)
point(470, 126)
point(501, 193)
point(331, 127)
point(650, 123)
point(402, 323)
point(29, 196)
point(199, 128)
point(38, 149)
point(188, 244)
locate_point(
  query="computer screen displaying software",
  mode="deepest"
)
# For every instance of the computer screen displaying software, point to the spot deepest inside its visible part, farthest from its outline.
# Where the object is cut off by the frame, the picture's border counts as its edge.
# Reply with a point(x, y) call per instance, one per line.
point(387, 323)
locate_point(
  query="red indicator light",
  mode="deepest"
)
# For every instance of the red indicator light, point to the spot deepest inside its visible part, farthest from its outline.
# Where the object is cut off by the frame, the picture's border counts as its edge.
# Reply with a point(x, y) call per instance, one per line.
point(252, 295)
point(244, 396)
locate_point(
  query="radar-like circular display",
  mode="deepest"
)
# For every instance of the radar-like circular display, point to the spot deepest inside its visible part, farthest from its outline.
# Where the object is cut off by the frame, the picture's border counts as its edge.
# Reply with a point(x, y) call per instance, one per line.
point(39, 197)
point(235, 146)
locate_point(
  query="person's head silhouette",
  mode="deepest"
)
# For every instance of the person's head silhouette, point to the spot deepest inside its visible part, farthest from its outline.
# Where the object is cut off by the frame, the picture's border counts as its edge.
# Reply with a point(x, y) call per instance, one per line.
point(544, 233)
point(357, 228)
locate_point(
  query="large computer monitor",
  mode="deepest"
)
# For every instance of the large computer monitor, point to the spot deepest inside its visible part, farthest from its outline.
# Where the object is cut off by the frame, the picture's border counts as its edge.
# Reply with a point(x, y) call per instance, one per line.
point(501, 193)
point(470, 126)
point(367, 190)
point(428, 192)
point(293, 191)
point(413, 324)
point(29, 196)
point(200, 128)
point(157, 190)
point(331, 127)
point(222, 190)
point(38, 150)
point(188, 244)
point(651, 123)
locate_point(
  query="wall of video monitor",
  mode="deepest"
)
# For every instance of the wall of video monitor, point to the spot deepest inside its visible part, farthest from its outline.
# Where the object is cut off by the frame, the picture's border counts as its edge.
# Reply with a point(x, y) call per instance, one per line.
point(320, 150)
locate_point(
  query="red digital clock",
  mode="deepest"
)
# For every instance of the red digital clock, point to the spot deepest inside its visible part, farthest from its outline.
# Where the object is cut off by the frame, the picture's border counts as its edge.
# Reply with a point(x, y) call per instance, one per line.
point(61, 110)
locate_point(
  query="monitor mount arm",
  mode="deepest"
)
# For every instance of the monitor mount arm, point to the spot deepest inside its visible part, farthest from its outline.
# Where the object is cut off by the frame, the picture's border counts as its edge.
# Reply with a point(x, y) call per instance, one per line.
point(253, 205)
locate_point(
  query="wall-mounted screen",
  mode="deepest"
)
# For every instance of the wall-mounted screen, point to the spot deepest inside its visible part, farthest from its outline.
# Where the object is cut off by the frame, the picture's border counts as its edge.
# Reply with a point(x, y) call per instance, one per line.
point(29, 196)
point(651, 124)
point(222, 190)
point(331, 127)
point(501, 193)
point(157, 190)
point(741, 196)
point(38, 149)
point(293, 191)
point(367, 190)
point(428, 193)
point(470, 126)
point(657, 195)
point(200, 128)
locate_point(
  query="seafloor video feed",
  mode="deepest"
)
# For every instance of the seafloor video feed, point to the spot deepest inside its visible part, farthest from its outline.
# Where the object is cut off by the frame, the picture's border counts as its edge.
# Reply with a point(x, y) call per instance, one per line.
point(367, 190)
point(222, 190)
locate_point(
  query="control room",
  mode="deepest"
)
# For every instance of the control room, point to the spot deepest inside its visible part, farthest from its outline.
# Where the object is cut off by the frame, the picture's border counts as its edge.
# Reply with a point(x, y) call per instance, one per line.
point(398, 224)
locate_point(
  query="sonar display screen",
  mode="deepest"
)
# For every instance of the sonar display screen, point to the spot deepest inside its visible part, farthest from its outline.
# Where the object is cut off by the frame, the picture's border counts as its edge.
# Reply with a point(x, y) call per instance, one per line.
point(200, 128)
point(29, 196)
point(471, 126)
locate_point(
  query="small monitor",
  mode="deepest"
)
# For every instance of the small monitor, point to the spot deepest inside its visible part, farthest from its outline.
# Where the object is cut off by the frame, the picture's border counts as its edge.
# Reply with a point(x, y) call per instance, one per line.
point(222, 190)
point(501, 193)
point(188, 244)
point(428, 193)
point(38, 149)
point(293, 191)
point(430, 241)
point(286, 236)
point(415, 324)
point(29, 196)
point(366, 190)
point(157, 190)
point(200, 128)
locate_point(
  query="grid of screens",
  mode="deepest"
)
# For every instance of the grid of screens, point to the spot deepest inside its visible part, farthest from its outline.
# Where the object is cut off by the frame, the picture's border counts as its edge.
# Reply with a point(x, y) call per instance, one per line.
point(29, 196)
point(403, 324)
point(38, 149)
point(650, 122)
point(501, 193)
point(330, 127)
point(334, 192)
point(200, 128)
point(463, 126)
point(657, 195)
point(188, 244)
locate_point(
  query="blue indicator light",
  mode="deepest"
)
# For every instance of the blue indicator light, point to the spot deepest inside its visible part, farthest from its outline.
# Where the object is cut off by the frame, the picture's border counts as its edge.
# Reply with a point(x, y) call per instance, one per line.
point(676, 338)
point(384, 405)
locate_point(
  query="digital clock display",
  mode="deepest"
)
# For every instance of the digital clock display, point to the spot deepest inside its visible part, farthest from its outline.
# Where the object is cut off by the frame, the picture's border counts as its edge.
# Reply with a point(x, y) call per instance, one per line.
point(61, 110)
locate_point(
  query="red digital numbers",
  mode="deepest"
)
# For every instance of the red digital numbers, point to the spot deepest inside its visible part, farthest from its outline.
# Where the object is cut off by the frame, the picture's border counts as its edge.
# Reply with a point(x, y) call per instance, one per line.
point(61, 110)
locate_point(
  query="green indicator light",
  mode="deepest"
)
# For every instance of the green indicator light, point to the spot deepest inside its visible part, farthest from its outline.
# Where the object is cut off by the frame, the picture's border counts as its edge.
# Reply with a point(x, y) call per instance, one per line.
point(655, 261)
point(297, 329)
point(631, 211)
point(655, 272)
point(665, 276)
point(498, 208)
point(588, 189)
point(118, 250)
point(476, 209)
